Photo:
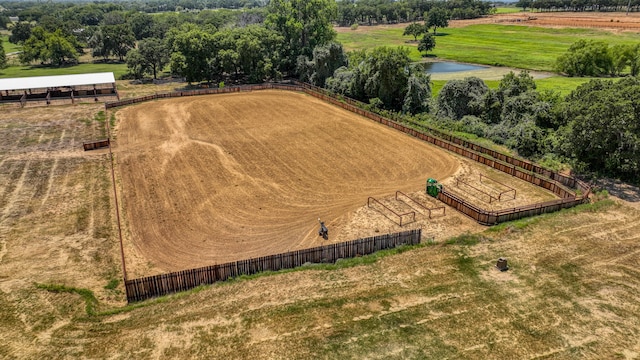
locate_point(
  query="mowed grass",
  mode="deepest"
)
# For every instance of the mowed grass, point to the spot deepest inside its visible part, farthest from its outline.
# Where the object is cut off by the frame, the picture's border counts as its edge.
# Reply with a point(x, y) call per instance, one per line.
point(523, 47)
point(8, 47)
point(25, 70)
point(436, 85)
point(508, 10)
point(561, 84)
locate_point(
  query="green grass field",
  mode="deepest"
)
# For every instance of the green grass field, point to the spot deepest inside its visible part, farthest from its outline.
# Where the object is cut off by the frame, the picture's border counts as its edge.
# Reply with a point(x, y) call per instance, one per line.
point(436, 85)
point(521, 47)
point(25, 71)
point(8, 47)
point(508, 10)
point(561, 84)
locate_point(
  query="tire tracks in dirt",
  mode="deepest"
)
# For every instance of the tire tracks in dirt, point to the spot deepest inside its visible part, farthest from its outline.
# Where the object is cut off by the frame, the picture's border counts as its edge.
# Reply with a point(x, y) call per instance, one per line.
point(11, 204)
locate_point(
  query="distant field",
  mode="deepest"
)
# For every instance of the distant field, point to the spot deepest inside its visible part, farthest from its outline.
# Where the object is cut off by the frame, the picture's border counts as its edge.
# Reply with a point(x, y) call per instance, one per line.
point(564, 85)
point(25, 71)
point(561, 84)
point(8, 47)
point(508, 10)
point(524, 47)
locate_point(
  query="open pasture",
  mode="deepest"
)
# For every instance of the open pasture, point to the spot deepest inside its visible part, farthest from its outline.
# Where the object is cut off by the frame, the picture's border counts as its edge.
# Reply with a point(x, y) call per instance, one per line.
point(522, 47)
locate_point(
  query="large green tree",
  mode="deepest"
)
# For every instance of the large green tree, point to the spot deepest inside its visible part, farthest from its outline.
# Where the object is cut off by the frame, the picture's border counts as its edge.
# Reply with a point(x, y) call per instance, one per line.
point(458, 98)
point(136, 64)
point(634, 61)
point(385, 75)
point(426, 44)
point(326, 60)
point(118, 39)
point(54, 48)
point(258, 52)
point(151, 56)
point(304, 24)
point(382, 76)
point(603, 127)
point(114, 40)
point(4, 20)
point(418, 94)
point(586, 58)
point(524, 4)
point(514, 85)
point(192, 49)
point(141, 25)
point(20, 33)
point(621, 56)
point(437, 17)
point(520, 117)
point(415, 30)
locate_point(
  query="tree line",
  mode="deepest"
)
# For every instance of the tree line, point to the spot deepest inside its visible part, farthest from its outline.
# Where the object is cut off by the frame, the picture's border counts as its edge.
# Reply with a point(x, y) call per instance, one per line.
point(346, 13)
point(596, 128)
point(372, 12)
point(34, 10)
point(111, 32)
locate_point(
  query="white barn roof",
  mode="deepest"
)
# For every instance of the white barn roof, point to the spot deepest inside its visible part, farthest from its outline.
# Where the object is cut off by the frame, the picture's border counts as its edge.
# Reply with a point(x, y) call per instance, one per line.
point(43, 82)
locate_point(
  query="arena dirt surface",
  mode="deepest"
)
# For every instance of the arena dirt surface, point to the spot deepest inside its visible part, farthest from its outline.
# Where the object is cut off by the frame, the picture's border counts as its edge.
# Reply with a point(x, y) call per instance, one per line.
point(217, 178)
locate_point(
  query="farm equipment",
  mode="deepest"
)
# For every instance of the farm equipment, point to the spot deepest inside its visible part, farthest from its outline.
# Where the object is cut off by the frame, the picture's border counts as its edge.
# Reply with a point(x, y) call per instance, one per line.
point(433, 188)
point(324, 232)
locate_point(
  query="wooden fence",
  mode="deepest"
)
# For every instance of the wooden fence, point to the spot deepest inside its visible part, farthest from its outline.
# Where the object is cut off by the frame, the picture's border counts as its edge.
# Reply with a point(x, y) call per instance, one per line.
point(564, 186)
point(486, 217)
point(224, 90)
point(164, 284)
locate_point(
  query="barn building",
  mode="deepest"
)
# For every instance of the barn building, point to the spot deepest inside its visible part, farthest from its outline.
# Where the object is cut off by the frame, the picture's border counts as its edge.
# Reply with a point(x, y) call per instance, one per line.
point(77, 87)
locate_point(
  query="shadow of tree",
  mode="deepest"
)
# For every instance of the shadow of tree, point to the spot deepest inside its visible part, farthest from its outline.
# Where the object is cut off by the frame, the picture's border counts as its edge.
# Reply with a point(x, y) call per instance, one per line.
point(619, 189)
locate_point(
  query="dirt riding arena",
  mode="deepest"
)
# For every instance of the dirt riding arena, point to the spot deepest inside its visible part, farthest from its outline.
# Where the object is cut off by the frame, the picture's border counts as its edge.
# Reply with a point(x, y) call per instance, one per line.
point(211, 179)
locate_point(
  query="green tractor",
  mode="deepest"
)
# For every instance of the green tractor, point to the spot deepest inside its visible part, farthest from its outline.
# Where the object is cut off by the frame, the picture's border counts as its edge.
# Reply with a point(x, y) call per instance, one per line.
point(433, 188)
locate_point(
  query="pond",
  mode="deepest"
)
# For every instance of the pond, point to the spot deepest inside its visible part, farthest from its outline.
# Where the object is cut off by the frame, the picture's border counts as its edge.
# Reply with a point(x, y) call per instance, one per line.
point(449, 67)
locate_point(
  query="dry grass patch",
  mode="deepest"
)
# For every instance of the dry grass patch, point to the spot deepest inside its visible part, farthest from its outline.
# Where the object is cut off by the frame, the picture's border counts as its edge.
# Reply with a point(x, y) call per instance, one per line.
point(572, 291)
point(56, 221)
